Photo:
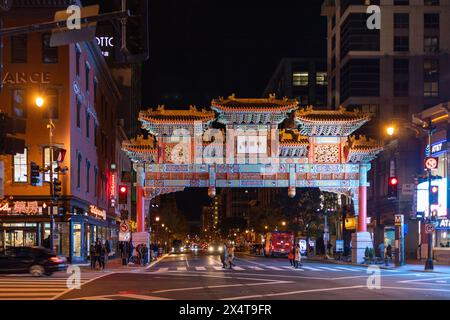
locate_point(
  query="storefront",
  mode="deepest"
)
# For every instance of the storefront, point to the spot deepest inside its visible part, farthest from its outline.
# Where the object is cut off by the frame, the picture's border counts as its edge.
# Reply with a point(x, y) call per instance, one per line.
point(28, 223)
point(441, 241)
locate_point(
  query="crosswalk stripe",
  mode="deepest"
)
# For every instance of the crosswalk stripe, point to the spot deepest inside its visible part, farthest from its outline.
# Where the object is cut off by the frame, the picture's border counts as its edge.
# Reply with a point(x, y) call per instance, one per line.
point(311, 268)
point(274, 268)
point(200, 268)
point(255, 268)
point(218, 268)
point(330, 269)
point(181, 269)
point(162, 270)
point(349, 269)
point(238, 268)
point(29, 289)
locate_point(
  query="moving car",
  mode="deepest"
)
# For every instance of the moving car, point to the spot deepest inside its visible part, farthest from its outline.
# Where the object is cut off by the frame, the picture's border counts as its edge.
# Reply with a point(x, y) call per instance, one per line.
point(177, 246)
point(215, 248)
point(35, 260)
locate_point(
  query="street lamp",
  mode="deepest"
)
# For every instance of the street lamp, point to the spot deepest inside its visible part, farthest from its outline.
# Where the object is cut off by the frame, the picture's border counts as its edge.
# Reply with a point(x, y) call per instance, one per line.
point(156, 232)
point(283, 223)
point(390, 130)
point(39, 101)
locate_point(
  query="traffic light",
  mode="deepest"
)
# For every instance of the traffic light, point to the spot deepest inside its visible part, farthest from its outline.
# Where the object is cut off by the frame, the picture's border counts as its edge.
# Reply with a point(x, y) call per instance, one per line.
point(137, 31)
point(434, 195)
point(123, 194)
point(57, 188)
point(392, 187)
point(35, 174)
point(9, 127)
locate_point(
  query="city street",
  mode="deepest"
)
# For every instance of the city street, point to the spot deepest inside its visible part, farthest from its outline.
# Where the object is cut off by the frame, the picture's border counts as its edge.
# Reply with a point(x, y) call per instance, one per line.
point(201, 277)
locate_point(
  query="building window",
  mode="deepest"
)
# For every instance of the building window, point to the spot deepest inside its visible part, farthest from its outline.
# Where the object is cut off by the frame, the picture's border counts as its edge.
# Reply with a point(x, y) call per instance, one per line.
point(300, 78)
point(18, 103)
point(431, 44)
point(88, 173)
point(51, 110)
point(321, 79)
point(77, 60)
point(401, 2)
point(95, 91)
point(87, 74)
point(78, 113)
point(401, 20)
point(19, 49)
point(88, 120)
point(21, 167)
point(431, 20)
point(431, 2)
point(47, 165)
point(355, 36)
point(431, 69)
point(95, 181)
point(95, 134)
point(360, 78)
point(401, 43)
point(79, 170)
point(401, 77)
point(431, 89)
point(49, 54)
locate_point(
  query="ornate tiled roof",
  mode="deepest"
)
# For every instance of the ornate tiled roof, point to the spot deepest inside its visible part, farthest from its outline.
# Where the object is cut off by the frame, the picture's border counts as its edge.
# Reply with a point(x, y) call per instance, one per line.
point(292, 137)
point(254, 105)
point(362, 149)
point(340, 122)
point(162, 115)
point(140, 148)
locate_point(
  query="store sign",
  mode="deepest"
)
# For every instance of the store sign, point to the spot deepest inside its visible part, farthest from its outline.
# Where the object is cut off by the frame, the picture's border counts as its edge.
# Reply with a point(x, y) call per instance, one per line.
point(21, 207)
point(113, 189)
point(97, 212)
point(25, 78)
point(443, 224)
point(436, 147)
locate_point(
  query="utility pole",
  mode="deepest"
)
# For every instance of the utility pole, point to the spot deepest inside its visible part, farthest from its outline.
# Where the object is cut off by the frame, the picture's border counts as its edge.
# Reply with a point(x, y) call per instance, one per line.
point(429, 261)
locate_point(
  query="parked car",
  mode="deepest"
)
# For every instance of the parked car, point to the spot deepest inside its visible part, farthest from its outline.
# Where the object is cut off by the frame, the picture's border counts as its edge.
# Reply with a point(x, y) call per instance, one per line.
point(177, 246)
point(35, 260)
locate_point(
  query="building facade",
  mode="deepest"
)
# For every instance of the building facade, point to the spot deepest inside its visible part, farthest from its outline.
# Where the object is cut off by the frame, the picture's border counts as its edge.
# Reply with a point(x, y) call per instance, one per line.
point(392, 72)
point(80, 97)
point(302, 79)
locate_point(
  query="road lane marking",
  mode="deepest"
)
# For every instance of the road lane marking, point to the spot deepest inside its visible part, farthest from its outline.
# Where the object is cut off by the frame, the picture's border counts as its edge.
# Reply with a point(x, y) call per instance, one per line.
point(292, 292)
point(274, 268)
point(424, 280)
point(29, 289)
point(223, 286)
point(330, 269)
point(187, 263)
point(252, 262)
point(181, 269)
point(349, 269)
point(162, 270)
point(82, 284)
point(255, 268)
point(164, 256)
point(238, 268)
point(219, 268)
point(311, 268)
point(200, 268)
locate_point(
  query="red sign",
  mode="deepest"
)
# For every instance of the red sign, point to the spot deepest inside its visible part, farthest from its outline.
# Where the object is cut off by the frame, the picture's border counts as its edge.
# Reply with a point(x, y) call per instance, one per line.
point(431, 163)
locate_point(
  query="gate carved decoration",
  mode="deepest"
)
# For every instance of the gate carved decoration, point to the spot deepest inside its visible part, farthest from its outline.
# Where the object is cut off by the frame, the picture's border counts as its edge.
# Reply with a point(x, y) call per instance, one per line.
point(240, 144)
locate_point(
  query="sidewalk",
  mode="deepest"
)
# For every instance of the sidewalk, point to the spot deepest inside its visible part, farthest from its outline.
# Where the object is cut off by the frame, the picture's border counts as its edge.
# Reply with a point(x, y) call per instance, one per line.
point(411, 265)
point(115, 265)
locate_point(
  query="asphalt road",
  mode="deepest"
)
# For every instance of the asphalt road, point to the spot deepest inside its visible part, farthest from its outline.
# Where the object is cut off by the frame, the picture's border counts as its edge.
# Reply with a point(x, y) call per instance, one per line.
point(201, 277)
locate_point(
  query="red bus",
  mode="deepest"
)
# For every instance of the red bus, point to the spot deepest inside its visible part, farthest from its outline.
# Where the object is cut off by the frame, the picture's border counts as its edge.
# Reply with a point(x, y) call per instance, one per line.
point(278, 243)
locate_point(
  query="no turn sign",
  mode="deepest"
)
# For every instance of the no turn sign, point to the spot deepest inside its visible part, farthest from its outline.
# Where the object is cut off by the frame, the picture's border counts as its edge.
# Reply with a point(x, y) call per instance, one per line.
point(431, 163)
point(429, 228)
point(124, 227)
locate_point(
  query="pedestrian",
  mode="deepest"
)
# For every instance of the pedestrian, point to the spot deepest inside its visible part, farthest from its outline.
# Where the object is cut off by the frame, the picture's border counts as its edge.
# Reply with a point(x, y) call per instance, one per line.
point(98, 252)
point(381, 248)
point(291, 255)
point(92, 255)
point(224, 255)
point(297, 257)
point(230, 256)
point(130, 249)
point(103, 255)
point(389, 252)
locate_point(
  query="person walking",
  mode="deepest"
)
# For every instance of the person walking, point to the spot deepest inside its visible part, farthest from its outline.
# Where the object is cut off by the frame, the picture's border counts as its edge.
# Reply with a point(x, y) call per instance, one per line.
point(291, 255)
point(92, 255)
point(103, 255)
point(381, 248)
point(98, 252)
point(297, 257)
point(231, 256)
point(224, 255)
point(388, 254)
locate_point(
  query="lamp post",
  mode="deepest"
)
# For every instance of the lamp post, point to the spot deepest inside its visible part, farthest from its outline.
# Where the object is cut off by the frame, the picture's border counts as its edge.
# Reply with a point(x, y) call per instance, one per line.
point(40, 101)
point(156, 232)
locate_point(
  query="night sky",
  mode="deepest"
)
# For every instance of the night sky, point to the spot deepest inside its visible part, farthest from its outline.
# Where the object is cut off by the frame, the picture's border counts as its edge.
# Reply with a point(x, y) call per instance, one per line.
point(200, 50)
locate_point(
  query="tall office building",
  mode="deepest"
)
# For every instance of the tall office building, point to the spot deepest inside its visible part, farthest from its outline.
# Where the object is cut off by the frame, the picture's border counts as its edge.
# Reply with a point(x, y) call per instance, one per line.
point(393, 72)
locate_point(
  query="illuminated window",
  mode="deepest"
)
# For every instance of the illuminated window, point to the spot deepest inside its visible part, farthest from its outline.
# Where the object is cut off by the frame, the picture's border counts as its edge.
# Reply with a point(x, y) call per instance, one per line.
point(49, 54)
point(321, 79)
point(431, 44)
point(79, 170)
point(18, 103)
point(47, 164)
point(300, 78)
point(431, 89)
point(21, 167)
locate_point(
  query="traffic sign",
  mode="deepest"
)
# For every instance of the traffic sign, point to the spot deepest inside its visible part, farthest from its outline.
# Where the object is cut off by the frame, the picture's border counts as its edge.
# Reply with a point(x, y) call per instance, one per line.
point(429, 228)
point(124, 227)
point(431, 163)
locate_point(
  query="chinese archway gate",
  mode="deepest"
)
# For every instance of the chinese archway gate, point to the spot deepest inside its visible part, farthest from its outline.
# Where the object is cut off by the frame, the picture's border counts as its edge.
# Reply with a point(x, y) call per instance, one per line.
point(239, 144)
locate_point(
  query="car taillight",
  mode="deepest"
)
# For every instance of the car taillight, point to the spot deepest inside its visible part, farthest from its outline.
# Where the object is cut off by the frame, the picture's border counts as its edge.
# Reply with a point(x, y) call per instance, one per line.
point(56, 260)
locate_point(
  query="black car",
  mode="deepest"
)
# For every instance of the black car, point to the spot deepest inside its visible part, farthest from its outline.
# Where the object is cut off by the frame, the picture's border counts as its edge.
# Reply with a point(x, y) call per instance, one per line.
point(35, 260)
point(177, 246)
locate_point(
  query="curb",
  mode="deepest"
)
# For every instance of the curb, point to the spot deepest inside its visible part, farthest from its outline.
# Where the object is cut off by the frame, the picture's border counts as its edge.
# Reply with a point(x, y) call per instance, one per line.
point(157, 261)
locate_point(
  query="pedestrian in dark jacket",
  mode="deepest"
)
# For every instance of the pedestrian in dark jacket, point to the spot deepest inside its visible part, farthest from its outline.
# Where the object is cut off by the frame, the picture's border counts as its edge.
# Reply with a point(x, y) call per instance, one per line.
point(92, 256)
point(98, 252)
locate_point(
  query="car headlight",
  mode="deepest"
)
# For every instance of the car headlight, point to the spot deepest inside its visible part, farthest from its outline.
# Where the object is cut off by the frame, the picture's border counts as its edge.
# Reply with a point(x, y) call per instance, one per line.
point(173, 249)
point(220, 249)
point(210, 249)
point(182, 249)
